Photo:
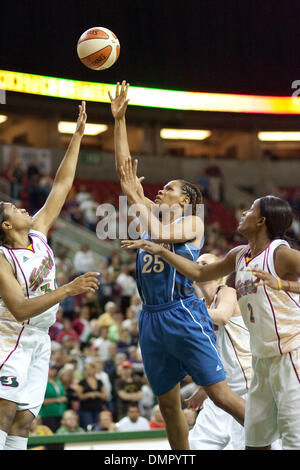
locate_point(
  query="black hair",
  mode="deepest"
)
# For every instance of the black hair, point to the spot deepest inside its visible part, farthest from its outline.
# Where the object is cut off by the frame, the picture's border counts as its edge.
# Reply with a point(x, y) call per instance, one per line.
point(193, 192)
point(278, 214)
point(2, 219)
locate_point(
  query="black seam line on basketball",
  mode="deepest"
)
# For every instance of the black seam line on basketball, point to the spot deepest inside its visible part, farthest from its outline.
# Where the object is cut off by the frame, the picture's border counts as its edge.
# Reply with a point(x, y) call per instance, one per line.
point(96, 52)
point(88, 39)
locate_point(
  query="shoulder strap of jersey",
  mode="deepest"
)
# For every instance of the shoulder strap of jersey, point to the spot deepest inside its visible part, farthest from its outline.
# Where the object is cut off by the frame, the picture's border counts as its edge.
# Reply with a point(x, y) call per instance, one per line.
point(243, 250)
point(5, 252)
point(270, 265)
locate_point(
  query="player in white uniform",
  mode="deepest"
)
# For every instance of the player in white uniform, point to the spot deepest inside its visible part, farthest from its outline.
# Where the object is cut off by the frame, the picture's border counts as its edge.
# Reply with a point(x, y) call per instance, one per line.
point(214, 428)
point(271, 314)
point(29, 300)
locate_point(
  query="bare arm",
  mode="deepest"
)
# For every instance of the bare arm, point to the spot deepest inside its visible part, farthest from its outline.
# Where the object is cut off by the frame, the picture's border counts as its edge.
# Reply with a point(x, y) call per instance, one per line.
point(23, 308)
point(226, 306)
point(190, 228)
point(63, 181)
point(118, 108)
point(186, 267)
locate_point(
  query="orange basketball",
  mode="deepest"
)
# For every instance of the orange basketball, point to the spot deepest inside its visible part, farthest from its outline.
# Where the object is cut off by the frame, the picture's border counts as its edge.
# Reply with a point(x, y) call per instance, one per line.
point(98, 48)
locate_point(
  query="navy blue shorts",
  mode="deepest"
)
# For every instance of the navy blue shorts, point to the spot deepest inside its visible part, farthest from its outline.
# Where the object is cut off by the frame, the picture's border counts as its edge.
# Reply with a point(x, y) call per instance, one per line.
point(177, 339)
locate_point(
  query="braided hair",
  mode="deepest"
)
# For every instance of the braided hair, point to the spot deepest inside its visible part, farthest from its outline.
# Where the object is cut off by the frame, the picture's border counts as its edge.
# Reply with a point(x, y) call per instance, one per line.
point(194, 194)
point(278, 214)
point(2, 219)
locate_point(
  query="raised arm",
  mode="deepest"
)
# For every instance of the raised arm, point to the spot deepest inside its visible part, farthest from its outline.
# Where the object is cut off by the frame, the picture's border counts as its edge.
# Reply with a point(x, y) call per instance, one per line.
point(63, 181)
point(118, 108)
point(190, 228)
point(186, 267)
point(23, 308)
point(226, 306)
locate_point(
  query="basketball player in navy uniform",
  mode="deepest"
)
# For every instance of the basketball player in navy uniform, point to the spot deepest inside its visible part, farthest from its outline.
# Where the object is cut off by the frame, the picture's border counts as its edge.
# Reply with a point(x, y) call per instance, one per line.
point(176, 332)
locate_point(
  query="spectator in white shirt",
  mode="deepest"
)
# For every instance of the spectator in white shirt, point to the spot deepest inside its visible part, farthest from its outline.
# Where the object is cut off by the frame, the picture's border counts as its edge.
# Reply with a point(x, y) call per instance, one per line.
point(127, 286)
point(89, 209)
point(133, 421)
point(103, 376)
point(102, 344)
point(84, 260)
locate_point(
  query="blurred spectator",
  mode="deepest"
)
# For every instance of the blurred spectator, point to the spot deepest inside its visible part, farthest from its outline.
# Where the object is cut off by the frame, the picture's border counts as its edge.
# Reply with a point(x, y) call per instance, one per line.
point(15, 174)
point(108, 288)
point(130, 315)
point(110, 365)
point(67, 377)
point(105, 423)
point(104, 377)
point(67, 330)
point(215, 176)
point(46, 183)
point(92, 396)
point(91, 299)
point(114, 264)
point(37, 428)
point(84, 260)
point(136, 304)
point(146, 403)
point(58, 325)
point(63, 264)
point(134, 332)
point(129, 390)
point(68, 305)
point(33, 171)
point(55, 400)
point(102, 343)
point(81, 324)
point(124, 341)
point(133, 421)
point(127, 287)
point(89, 207)
point(35, 195)
point(69, 423)
point(157, 421)
point(82, 194)
point(136, 360)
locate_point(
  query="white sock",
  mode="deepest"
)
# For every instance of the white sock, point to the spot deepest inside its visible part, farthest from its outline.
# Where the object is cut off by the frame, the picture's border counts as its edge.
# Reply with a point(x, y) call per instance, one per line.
point(3, 436)
point(16, 443)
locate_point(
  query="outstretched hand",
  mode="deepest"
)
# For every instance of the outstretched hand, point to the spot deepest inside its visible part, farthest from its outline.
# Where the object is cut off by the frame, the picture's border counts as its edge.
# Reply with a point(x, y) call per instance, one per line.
point(145, 245)
point(120, 101)
point(130, 183)
point(265, 279)
point(81, 119)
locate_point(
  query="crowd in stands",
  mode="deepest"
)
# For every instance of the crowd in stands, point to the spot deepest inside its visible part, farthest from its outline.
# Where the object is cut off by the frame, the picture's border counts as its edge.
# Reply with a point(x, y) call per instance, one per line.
point(96, 379)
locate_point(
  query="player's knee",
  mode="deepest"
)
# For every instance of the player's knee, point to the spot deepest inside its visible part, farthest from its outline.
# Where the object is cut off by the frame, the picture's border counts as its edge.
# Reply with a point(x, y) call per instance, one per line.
point(21, 425)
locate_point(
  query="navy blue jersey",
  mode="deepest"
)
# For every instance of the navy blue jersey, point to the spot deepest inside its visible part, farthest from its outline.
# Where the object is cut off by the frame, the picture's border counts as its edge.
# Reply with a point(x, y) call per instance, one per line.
point(158, 282)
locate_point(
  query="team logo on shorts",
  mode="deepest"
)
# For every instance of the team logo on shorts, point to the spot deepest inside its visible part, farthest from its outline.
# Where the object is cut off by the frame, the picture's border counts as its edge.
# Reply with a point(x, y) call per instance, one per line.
point(9, 381)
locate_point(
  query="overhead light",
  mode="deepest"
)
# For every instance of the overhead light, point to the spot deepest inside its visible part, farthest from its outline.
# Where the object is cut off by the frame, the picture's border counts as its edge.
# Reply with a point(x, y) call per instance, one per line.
point(3, 118)
point(184, 134)
point(65, 127)
point(278, 136)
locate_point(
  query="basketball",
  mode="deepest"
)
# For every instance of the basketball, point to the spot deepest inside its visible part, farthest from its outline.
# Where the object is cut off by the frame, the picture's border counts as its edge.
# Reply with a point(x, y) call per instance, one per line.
point(98, 48)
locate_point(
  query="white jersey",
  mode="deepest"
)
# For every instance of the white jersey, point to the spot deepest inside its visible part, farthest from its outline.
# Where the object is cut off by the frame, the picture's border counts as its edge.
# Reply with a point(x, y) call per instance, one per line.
point(271, 316)
point(34, 269)
point(233, 343)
